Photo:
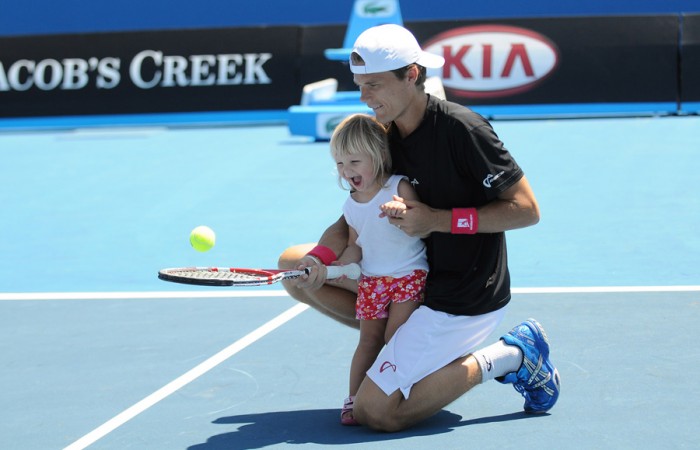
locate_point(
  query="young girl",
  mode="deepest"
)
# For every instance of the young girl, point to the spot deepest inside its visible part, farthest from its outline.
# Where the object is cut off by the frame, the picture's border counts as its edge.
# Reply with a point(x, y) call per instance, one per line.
point(394, 265)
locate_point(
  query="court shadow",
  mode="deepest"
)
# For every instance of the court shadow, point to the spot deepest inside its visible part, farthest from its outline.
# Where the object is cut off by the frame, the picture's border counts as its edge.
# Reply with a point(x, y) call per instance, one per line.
point(321, 426)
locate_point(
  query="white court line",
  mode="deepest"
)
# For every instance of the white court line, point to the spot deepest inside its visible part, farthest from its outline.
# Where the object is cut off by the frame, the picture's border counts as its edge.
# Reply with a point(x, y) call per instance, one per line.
point(604, 289)
point(226, 293)
point(185, 379)
point(231, 293)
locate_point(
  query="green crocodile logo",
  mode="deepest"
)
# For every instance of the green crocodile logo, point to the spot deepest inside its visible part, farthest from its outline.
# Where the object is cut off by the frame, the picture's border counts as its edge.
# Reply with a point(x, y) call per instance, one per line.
point(374, 8)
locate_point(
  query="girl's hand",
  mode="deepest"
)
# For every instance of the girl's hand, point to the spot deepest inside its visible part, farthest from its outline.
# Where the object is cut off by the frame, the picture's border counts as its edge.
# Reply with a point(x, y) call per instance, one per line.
point(394, 208)
point(316, 278)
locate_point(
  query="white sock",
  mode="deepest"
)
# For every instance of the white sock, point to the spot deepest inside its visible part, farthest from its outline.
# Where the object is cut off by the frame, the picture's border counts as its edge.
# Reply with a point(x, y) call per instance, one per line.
point(498, 359)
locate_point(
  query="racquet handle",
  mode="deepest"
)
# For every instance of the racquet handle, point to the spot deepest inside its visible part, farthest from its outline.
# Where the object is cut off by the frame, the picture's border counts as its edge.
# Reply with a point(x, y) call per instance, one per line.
point(351, 271)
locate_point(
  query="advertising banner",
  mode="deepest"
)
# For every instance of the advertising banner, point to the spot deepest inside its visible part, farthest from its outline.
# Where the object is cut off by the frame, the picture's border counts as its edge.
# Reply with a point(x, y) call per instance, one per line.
point(562, 60)
point(145, 72)
point(690, 64)
point(540, 61)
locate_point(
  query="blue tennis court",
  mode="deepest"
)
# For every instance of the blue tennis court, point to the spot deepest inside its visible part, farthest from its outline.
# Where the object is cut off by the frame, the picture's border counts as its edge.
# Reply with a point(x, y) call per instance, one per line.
point(98, 353)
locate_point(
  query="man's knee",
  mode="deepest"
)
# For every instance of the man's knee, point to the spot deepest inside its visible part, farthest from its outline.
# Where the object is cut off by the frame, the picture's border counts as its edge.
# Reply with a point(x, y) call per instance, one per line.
point(291, 256)
point(380, 421)
point(289, 260)
point(380, 412)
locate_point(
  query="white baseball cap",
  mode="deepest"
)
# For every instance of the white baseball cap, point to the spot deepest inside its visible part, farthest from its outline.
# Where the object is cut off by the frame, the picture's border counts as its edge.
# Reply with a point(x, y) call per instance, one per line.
point(390, 47)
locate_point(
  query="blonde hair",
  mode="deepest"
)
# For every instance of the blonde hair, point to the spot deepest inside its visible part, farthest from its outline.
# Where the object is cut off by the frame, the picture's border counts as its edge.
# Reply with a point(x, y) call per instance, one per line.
point(363, 134)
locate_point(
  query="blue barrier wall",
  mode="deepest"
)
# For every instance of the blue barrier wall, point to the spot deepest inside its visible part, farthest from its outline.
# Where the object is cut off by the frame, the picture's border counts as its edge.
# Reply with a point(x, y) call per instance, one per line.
point(86, 16)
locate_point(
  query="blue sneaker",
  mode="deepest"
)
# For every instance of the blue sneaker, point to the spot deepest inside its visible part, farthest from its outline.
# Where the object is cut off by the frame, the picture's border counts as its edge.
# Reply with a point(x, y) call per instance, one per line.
point(537, 379)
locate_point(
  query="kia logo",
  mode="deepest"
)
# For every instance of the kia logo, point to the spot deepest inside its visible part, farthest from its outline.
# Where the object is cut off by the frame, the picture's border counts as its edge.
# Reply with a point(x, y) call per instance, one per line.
point(492, 60)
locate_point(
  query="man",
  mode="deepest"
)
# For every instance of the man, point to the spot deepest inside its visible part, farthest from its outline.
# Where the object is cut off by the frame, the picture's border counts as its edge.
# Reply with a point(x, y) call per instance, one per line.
point(471, 191)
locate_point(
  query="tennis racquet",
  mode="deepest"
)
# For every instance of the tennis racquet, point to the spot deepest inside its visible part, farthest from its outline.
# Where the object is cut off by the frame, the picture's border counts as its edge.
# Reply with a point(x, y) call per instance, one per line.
point(232, 276)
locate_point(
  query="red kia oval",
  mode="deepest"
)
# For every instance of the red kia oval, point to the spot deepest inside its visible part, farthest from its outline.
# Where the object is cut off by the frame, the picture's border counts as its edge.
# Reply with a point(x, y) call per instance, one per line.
point(493, 60)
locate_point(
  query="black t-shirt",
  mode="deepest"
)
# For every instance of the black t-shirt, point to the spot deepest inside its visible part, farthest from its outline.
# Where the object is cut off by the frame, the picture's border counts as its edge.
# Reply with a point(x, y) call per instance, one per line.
point(454, 159)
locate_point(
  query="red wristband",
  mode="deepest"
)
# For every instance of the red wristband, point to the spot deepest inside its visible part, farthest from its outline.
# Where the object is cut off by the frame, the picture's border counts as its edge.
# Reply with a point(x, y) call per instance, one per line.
point(465, 221)
point(325, 254)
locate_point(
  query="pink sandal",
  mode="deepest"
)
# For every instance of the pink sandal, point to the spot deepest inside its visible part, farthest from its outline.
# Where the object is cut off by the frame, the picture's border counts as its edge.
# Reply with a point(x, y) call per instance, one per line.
point(346, 417)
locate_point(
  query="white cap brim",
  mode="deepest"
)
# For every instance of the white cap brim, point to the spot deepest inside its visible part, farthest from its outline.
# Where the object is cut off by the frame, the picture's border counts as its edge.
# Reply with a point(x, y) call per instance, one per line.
point(389, 47)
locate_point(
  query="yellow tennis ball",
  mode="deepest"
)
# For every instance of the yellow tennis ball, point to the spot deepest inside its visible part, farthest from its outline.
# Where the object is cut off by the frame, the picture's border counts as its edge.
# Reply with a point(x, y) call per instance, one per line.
point(202, 238)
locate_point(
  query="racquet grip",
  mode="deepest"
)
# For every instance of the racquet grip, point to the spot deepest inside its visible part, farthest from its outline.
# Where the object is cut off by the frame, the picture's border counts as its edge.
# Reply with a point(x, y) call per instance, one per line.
point(351, 271)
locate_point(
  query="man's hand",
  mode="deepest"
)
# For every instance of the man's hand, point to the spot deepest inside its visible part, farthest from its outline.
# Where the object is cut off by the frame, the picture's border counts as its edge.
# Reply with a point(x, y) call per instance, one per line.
point(418, 219)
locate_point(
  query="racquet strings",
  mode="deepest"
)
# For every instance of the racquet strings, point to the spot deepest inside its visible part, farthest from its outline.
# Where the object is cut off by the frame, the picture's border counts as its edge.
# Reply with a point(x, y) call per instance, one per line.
point(237, 276)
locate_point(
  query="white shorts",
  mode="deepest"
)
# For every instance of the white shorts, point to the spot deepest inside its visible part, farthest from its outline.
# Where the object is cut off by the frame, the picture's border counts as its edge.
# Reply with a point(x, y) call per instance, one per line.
point(428, 341)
